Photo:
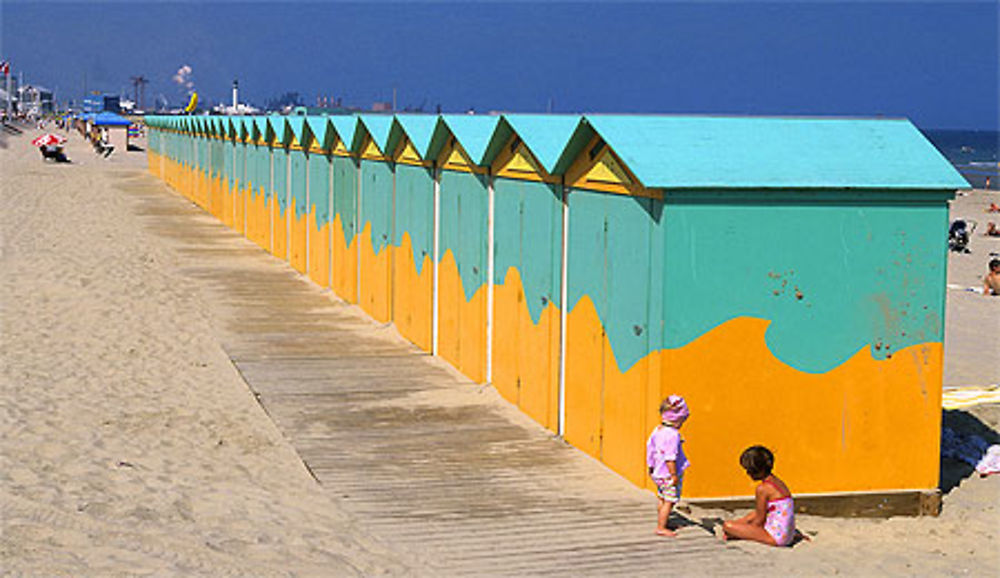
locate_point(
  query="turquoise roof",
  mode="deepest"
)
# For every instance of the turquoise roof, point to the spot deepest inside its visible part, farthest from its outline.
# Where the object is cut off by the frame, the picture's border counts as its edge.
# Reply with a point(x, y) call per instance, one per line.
point(419, 128)
point(473, 132)
point(378, 126)
point(544, 135)
point(280, 128)
point(682, 152)
point(319, 126)
point(262, 126)
point(346, 126)
point(246, 125)
point(297, 125)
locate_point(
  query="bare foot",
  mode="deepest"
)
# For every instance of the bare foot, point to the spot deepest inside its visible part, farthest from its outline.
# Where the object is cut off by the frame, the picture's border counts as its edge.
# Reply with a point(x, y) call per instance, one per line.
point(720, 533)
point(665, 532)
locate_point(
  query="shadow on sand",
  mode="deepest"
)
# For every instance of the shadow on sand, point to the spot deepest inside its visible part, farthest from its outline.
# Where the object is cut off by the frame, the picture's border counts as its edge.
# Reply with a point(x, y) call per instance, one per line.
point(965, 424)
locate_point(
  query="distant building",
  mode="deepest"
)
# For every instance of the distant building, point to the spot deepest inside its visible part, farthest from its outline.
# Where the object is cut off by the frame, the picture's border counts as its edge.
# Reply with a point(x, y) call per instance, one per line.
point(35, 100)
point(382, 107)
point(14, 91)
point(102, 103)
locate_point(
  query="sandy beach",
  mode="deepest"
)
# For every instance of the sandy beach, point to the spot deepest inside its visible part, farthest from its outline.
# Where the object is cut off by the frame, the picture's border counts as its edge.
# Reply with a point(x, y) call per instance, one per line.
point(131, 445)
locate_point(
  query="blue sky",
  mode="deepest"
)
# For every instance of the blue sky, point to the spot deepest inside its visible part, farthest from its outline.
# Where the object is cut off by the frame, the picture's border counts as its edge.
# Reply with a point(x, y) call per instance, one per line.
point(934, 62)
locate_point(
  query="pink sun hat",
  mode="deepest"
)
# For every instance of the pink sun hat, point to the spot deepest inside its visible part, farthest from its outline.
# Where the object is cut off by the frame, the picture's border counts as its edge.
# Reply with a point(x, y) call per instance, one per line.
point(678, 411)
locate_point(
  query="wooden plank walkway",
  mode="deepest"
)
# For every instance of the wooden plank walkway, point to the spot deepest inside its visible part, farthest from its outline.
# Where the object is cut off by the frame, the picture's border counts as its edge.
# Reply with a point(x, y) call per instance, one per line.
point(434, 465)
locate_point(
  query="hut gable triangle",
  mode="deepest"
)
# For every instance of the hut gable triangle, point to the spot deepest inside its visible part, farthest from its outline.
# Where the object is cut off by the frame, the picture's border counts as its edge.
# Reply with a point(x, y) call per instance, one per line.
point(518, 162)
point(407, 153)
point(608, 170)
point(523, 161)
point(370, 150)
point(455, 158)
point(597, 167)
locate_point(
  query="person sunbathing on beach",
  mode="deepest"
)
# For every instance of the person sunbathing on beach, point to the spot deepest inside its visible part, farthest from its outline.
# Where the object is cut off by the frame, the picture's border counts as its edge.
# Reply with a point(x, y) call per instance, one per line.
point(991, 282)
point(773, 520)
point(666, 460)
point(992, 230)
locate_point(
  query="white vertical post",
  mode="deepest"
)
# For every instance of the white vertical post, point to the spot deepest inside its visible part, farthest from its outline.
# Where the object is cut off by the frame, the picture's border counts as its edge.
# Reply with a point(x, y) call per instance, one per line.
point(564, 301)
point(437, 248)
point(489, 279)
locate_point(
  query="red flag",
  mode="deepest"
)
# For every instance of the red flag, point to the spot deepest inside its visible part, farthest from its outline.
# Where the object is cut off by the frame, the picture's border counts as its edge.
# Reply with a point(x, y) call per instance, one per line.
point(5, 68)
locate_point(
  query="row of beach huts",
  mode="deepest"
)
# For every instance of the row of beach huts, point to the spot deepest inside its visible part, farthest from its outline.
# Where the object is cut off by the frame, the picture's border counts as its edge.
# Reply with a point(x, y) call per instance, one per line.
point(786, 275)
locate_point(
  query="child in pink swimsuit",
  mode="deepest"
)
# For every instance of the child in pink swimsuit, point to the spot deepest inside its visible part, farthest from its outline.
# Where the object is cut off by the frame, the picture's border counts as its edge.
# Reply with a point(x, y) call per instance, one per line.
point(666, 460)
point(773, 520)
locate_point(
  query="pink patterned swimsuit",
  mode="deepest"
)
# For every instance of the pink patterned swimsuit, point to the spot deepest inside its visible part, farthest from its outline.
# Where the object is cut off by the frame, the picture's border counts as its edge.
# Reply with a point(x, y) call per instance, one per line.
point(780, 522)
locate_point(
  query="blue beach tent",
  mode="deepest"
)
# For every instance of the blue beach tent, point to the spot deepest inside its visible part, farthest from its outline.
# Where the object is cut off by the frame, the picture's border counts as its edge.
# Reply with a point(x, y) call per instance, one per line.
point(110, 119)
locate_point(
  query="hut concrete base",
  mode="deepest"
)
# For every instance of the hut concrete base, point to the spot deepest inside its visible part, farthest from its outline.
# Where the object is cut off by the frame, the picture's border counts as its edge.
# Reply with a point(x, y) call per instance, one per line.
point(847, 504)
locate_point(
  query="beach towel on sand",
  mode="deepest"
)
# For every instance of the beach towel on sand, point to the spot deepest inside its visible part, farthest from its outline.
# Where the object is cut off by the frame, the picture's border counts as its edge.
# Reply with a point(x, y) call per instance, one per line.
point(972, 450)
point(959, 397)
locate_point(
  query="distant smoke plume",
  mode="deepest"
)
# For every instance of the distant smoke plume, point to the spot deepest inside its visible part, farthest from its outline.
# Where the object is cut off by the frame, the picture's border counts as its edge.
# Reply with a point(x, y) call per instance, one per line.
point(184, 79)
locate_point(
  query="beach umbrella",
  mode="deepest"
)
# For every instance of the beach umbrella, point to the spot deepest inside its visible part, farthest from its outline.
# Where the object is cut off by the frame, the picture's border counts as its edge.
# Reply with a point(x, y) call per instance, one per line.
point(48, 139)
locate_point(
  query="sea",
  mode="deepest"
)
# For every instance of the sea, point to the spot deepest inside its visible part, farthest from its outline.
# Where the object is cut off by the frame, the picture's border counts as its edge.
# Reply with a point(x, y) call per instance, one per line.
point(975, 153)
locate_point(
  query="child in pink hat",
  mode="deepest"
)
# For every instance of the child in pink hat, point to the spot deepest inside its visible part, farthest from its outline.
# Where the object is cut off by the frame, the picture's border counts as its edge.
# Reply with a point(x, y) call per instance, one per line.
point(666, 460)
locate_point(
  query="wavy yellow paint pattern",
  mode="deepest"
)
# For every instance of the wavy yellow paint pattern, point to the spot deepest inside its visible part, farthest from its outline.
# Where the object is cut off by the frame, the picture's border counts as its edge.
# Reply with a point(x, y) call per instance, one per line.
point(867, 425)
point(280, 240)
point(461, 323)
point(375, 292)
point(345, 262)
point(412, 294)
point(259, 220)
point(239, 207)
point(526, 355)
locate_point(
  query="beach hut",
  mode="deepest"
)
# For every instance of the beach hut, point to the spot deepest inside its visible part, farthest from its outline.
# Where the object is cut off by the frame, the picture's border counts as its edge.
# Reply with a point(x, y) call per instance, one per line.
point(344, 246)
point(153, 146)
point(229, 179)
point(375, 215)
point(280, 220)
point(203, 181)
point(242, 134)
point(614, 276)
point(191, 153)
point(298, 208)
point(168, 150)
point(527, 261)
point(181, 142)
point(785, 275)
point(177, 155)
point(463, 275)
point(258, 217)
point(217, 167)
point(413, 230)
point(322, 141)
